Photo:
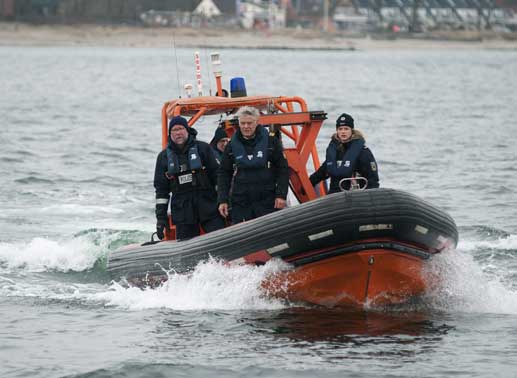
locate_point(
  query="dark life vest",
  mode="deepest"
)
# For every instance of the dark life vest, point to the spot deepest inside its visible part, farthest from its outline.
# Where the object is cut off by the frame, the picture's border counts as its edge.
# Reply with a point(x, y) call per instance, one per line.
point(259, 157)
point(185, 179)
point(346, 166)
point(193, 161)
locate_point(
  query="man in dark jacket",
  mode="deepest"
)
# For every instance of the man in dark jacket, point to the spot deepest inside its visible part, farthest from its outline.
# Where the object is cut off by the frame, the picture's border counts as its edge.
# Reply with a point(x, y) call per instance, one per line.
point(187, 169)
point(347, 157)
point(254, 174)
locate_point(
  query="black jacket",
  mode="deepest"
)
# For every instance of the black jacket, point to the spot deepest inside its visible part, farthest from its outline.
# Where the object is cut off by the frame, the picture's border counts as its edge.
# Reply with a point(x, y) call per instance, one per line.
point(272, 179)
point(365, 166)
point(190, 201)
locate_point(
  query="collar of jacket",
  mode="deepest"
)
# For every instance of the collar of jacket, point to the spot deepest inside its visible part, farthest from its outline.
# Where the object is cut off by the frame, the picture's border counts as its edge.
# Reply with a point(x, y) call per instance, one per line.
point(251, 141)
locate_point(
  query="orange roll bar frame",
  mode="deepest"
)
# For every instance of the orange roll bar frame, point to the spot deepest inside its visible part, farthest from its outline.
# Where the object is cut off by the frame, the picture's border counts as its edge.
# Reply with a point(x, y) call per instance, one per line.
point(290, 113)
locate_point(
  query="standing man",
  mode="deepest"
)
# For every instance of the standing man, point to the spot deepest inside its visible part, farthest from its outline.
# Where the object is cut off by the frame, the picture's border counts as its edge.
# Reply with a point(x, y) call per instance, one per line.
point(187, 169)
point(254, 174)
point(347, 156)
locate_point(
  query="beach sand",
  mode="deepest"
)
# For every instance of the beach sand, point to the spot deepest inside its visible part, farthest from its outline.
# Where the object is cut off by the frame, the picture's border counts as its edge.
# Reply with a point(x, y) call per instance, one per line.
point(18, 34)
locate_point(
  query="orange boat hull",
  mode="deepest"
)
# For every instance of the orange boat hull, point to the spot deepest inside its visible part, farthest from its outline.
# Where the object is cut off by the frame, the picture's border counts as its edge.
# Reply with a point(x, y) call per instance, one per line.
point(375, 277)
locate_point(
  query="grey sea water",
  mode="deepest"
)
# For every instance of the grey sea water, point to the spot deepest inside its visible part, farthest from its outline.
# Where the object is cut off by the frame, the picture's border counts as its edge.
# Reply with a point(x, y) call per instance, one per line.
point(79, 134)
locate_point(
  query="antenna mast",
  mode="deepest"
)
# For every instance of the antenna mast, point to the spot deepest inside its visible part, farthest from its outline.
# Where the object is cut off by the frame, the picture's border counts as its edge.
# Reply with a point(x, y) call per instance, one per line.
point(177, 67)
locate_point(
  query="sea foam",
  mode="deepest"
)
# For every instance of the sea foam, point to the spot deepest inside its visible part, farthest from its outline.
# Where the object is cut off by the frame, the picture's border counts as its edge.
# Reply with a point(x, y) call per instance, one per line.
point(213, 285)
point(41, 254)
point(466, 285)
point(504, 243)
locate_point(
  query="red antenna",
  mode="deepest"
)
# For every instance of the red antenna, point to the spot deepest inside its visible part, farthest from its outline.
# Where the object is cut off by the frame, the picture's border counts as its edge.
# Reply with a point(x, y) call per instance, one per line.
point(198, 74)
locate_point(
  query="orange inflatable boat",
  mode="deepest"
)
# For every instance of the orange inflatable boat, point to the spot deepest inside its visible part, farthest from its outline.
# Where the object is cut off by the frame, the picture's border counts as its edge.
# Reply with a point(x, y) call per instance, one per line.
point(351, 248)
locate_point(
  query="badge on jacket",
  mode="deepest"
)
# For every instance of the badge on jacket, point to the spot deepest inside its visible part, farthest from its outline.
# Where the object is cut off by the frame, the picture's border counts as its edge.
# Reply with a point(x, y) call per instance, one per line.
point(373, 166)
point(185, 179)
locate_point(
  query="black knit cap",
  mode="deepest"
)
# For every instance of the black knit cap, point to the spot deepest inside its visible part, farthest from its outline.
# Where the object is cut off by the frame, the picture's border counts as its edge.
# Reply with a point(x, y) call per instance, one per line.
point(179, 120)
point(345, 120)
point(220, 133)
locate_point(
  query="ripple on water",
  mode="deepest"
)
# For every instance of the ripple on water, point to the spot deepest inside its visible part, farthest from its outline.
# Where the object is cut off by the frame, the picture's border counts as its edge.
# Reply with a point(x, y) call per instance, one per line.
point(11, 160)
point(33, 180)
point(483, 232)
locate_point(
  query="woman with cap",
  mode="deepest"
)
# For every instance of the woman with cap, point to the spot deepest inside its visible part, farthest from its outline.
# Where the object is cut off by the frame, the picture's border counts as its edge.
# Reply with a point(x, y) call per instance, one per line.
point(347, 157)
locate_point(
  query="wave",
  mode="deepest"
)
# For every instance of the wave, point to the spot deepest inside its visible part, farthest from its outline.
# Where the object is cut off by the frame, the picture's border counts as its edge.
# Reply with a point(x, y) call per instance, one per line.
point(33, 180)
point(502, 244)
point(73, 271)
point(482, 232)
point(76, 209)
point(11, 160)
point(163, 369)
point(213, 285)
point(463, 281)
point(68, 271)
point(83, 251)
point(71, 209)
point(391, 163)
point(43, 255)
point(481, 237)
point(365, 106)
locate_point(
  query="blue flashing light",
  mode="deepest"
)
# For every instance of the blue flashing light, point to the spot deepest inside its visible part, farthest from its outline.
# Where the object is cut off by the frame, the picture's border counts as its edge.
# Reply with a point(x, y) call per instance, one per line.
point(238, 87)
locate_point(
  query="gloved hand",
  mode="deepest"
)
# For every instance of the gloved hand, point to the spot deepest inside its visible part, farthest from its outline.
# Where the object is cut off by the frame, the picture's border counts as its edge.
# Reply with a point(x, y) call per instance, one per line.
point(162, 220)
point(161, 226)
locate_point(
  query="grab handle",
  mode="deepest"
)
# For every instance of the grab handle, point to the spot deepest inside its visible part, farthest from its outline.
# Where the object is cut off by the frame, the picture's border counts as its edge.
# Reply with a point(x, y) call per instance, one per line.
point(354, 183)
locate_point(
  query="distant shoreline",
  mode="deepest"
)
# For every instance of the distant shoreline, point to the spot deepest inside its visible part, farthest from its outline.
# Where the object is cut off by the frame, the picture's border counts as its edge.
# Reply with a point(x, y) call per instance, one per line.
point(20, 34)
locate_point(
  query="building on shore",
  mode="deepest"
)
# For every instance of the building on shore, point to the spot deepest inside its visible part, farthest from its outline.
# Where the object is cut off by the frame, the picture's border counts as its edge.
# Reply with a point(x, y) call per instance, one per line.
point(252, 14)
point(98, 11)
point(326, 15)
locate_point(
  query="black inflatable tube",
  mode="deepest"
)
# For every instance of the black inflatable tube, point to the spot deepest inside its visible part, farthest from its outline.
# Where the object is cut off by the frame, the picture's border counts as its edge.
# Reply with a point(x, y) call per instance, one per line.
point(343, 213)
